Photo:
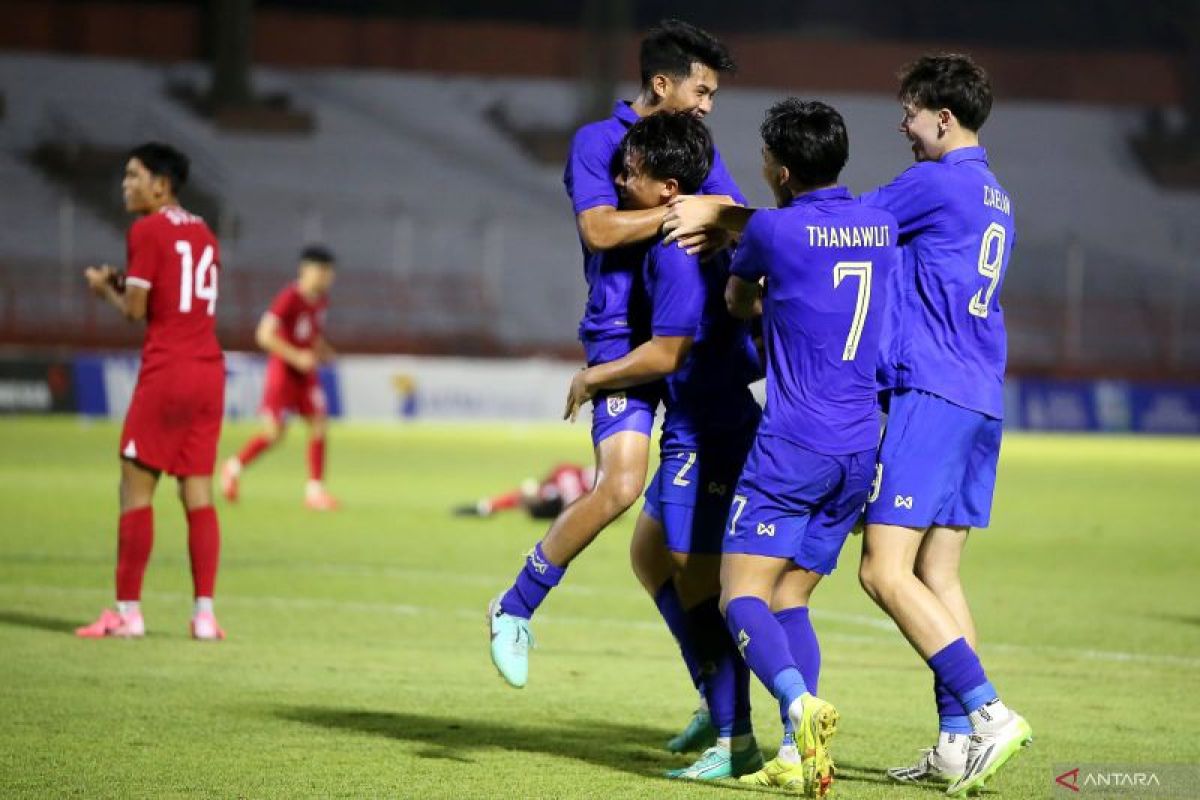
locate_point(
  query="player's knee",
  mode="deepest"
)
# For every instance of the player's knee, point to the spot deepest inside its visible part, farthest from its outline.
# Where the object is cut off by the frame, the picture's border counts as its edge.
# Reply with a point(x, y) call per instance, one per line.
point(874, 579)
point(273, 433)
point(623, 491)
point(938, 577)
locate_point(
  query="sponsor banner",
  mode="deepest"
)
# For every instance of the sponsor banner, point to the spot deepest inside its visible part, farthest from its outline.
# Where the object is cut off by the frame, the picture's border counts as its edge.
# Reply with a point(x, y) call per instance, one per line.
point(411, 387)
point(1106, 406)
point(107, 384)
point(36, 386)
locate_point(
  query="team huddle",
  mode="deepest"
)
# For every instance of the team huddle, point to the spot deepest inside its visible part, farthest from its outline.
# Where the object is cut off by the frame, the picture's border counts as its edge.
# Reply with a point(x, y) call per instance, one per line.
point(868, 313)
point(865, 314)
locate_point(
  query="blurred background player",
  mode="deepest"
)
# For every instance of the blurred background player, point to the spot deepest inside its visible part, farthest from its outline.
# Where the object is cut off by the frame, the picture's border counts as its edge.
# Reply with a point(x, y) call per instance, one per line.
point(680, 71)
point(174, 418)
point(292, 333)
point(544, 499)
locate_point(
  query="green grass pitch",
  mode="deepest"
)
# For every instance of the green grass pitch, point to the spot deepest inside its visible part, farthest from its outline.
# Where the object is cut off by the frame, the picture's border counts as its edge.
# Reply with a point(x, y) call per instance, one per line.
point(357, 666)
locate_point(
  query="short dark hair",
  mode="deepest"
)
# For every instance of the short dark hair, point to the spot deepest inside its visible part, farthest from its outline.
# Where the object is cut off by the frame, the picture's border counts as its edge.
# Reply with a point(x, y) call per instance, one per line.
point(318, 253)
point(672, 46)
point(671, 144)
point(163, 161)
point(809, 138)
point(949, 80)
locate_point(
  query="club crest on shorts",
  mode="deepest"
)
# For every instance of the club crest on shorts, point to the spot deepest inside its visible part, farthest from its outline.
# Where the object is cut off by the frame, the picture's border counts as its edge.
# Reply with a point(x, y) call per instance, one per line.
point(615, 403)
point(766, 529)
point(903, 502)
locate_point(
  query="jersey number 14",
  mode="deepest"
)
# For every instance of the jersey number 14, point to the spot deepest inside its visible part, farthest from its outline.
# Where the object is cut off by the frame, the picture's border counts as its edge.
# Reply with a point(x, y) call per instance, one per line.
point(201, 275)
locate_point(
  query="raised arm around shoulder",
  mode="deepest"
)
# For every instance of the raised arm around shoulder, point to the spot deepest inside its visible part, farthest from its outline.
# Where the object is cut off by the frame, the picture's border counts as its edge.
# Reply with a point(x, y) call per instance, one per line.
point(743, 298)
point(604, 227)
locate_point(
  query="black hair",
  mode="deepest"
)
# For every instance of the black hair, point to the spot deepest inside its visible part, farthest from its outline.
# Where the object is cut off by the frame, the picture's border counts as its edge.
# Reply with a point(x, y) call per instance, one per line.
point(809, 138)
point(163, 161)
point(319, 254)
point(671, 144)
point(949, 80)
point(672, 46)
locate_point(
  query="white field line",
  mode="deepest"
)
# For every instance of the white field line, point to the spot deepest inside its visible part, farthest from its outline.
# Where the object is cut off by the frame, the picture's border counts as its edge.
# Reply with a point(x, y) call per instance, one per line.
point(401, 609)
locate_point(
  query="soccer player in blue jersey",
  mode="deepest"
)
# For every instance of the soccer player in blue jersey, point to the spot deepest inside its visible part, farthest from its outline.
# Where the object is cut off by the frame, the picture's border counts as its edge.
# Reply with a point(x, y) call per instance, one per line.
point(826, 261)
point(708, 360)
point(942, 376)
point(680, 70)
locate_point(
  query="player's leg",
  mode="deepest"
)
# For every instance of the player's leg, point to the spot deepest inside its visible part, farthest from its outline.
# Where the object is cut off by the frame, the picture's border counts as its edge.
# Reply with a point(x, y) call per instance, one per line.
point(723, 674)
point(204, 550)
point(270, 434)
point(316, 496)
point(622, 449)
point(790, 605)
point(655, 570)
point(937, 567)
point(143, 442)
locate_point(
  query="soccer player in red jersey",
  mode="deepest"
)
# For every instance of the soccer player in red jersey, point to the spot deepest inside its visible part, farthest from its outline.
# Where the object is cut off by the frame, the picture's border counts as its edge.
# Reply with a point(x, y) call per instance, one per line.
point(174, 419)
point(292, 333)
point(544, 499)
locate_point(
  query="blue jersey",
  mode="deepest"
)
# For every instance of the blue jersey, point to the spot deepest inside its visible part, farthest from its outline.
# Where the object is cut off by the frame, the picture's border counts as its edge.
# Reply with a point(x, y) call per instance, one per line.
point(827, 261)
point(591, 168)
point(708, 400)
point(945, 333)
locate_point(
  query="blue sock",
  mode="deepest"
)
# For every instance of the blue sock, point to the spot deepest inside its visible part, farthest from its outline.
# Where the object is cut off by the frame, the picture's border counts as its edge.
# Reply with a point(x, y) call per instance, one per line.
point(723, 674)
point(952, 717)
point(534, 582)
point(763, 644)
point(957, 667)
point(667, 600)
point(806, 650)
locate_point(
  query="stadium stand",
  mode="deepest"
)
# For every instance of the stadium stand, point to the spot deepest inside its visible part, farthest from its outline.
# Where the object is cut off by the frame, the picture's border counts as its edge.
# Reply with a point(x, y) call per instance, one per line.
point(448, 230)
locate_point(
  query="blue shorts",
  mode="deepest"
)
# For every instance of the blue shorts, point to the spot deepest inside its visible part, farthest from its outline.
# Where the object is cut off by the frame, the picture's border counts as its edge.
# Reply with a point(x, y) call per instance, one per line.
point(690, 495)
point(626, 410)
point(794, 503)
point(937, 464)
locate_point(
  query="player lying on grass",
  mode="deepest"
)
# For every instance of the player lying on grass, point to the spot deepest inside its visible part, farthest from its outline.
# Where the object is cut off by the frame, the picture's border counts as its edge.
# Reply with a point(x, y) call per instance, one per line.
point(174, 418)
point(292, 333)
point(708, 361)
point(826, 261)
point(941, 374)
point(680, 70)
point(544, 499)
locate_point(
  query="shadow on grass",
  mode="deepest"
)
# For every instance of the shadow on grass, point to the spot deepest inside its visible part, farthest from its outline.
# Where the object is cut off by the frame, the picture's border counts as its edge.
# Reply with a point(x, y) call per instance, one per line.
point(38, 621)
point(633, 749)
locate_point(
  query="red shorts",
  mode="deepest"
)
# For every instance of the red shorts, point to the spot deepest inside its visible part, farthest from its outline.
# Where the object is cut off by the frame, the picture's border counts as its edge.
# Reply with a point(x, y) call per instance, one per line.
point(174, 419)
point(287, 390)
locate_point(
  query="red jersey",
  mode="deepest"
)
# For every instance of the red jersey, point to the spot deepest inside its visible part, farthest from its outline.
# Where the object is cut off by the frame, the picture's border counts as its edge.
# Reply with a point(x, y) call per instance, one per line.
point(301, 322)
point(174, 256)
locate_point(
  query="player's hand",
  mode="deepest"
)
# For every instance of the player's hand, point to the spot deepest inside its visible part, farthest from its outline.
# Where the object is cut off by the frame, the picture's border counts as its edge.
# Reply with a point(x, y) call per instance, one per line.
point(305, 361)
point(99, 278)
point(579, 393)
point(691, 223)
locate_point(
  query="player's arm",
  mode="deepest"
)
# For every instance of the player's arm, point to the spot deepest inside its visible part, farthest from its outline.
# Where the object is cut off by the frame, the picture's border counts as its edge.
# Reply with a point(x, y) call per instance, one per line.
point(271, 341)
point(743, 298)
point(324, 350)
point(692, 220)
point(646, 363)
point(129, 299)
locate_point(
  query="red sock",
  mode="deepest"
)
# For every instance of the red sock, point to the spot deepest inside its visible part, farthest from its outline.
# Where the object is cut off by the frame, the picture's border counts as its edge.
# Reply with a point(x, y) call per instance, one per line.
point(204, 546)
point(316, 459)
point(253, 449)
point(503, 502)
point(135, 539)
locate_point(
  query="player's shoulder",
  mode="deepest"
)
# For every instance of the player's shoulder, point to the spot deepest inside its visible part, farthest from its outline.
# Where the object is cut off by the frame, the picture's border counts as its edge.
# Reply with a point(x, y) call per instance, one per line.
point(598, 135)
point(671, 256)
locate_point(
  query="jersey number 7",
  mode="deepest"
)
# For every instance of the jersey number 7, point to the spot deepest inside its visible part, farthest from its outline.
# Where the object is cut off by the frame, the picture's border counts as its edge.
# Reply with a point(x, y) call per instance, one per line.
point(862, 271)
